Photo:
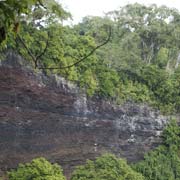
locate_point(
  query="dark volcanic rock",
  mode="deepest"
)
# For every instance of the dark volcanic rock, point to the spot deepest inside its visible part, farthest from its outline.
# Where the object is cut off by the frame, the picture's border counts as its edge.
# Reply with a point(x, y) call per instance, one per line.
point(47, 116)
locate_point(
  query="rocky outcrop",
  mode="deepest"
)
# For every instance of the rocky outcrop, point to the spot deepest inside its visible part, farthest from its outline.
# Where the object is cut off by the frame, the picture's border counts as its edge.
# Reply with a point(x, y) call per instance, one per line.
point(50, 117)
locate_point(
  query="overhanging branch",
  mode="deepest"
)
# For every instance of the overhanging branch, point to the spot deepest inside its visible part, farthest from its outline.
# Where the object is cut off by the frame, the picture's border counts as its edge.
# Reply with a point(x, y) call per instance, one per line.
point(34, 58)
point(37, 58)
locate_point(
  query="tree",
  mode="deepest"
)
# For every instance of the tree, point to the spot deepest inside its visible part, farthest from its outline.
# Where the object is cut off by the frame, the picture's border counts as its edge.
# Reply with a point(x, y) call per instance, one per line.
point(163, 163)
point(106, 167)
point(37, 169)
point(171, 135)
point(156, 28)
point(138, 63)
point(10, 11)
point(13, 12)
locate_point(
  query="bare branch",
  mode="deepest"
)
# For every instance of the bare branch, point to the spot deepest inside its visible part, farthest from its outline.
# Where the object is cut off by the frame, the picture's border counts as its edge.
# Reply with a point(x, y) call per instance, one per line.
point(28, 50)
point(43, 52)
point(37, 58)
point(85, 57)
point(34, 58)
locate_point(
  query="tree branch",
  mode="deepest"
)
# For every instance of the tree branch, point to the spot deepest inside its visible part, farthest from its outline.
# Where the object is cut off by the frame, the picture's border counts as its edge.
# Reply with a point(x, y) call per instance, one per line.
point(43, 52)
point(28, 50)
point(85, 57)
point(36, 58)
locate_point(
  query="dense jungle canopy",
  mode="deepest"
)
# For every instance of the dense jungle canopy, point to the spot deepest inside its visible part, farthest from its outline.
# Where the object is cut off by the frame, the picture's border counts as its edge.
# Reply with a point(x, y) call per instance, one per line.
point(139, 63)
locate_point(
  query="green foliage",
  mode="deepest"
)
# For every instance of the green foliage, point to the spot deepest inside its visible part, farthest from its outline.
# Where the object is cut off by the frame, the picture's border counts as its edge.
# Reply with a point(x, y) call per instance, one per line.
point(139, 64)
point(108, 81)
point(38, 169)
point(88, 81)
point(136, 92)
point(10, 12)
point(106, 167)
point(160, 165)
point(162, 57)
point(32, 11)
point(163, 163)
point(171, 135)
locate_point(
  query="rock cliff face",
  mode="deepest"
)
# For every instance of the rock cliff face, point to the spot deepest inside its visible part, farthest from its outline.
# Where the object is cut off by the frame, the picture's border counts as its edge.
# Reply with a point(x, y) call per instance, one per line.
point(47, 116)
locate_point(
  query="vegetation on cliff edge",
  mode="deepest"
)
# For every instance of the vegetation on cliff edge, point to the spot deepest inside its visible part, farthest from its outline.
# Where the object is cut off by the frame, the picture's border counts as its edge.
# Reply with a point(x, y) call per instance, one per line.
point(162, 163)
point(140, 63)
